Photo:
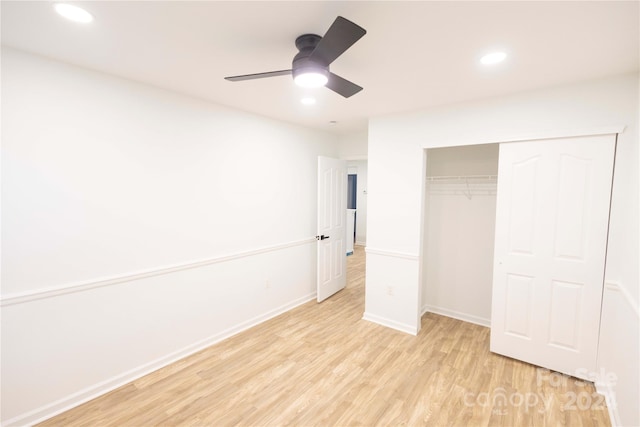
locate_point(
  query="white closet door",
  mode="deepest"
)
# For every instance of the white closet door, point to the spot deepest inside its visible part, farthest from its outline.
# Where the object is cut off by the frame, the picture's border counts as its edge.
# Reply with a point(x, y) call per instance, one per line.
point(552, 219)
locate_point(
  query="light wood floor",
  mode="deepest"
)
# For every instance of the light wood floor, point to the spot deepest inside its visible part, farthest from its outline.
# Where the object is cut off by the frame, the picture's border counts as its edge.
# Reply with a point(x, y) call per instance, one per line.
point(320, 364)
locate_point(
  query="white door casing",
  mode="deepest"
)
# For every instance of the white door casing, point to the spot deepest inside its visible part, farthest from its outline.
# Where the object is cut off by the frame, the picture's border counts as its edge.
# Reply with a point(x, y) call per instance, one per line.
point(332, 233)
point(552, 219)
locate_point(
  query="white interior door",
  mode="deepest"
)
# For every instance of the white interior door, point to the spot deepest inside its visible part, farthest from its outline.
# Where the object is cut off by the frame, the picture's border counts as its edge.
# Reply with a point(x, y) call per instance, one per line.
point(552, 220)
point(332, 215)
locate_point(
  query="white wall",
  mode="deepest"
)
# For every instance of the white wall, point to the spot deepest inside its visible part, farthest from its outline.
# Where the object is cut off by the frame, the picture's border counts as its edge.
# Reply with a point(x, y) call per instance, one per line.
point(463, 161)
point(359, 167)
point(138, 226)
point(396, 188)
point(618, 356)
point(353, 145)
point(459, 232)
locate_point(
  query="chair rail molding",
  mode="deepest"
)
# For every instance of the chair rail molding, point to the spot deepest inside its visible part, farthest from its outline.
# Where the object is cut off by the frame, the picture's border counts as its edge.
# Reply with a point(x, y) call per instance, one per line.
point(54, 291)
point(394, 254)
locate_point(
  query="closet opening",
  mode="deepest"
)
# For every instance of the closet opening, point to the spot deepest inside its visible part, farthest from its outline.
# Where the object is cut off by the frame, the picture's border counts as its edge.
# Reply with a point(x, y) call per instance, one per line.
point(459, 231)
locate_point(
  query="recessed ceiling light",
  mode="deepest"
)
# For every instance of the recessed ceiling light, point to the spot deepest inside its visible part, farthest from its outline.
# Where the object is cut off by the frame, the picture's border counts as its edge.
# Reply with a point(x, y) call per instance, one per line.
point(493, 58)
point(308, 101)
point(73, 13)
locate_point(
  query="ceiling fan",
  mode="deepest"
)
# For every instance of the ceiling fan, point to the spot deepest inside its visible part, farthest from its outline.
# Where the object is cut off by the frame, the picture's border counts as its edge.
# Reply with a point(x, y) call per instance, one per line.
point(310, 67)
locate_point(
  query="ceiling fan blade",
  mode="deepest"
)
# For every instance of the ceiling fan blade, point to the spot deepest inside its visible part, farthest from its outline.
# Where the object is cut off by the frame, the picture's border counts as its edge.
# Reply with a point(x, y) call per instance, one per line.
point(341, 86)
point(339, 37)
point(258, 75)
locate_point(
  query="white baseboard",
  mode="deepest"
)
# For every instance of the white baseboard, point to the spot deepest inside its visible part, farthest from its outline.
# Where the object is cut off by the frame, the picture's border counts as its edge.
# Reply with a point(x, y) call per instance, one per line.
point(612, 405)
point(457, 315)
point(360, 243)
point(402, 327)
point(50, 410)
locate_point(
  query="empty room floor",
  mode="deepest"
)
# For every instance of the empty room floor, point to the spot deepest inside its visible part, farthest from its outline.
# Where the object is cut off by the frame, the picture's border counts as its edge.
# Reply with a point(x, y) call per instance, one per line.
point(321, 364)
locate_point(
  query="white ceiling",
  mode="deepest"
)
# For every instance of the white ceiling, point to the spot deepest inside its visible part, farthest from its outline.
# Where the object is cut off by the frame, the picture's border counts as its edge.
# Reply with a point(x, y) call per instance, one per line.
point(415, 54)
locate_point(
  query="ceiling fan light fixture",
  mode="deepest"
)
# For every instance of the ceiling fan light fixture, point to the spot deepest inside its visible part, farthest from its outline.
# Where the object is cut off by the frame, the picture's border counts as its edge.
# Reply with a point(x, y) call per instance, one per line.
point(311, 77)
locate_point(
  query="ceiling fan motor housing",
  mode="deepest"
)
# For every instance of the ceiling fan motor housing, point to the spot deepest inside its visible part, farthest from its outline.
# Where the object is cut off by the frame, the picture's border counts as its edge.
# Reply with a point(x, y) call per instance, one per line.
point(306, 44)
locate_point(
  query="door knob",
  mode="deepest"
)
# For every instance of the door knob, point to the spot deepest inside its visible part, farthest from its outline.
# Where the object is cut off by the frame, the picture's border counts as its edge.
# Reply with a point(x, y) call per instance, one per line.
point(322, 237)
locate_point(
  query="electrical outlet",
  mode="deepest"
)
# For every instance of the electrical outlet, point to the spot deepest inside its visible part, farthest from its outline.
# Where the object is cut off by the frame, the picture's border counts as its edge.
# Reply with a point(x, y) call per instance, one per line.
point(390, 290)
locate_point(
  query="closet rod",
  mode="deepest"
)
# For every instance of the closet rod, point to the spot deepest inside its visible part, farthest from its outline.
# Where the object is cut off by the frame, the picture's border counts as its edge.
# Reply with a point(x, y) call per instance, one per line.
point(436, 178)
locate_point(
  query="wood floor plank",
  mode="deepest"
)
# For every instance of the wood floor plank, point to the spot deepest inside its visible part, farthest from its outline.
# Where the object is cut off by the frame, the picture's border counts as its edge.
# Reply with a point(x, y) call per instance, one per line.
point(322, 365)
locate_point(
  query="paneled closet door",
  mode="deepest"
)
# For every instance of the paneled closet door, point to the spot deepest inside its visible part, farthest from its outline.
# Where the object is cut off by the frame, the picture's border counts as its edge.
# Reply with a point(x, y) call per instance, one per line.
point(552, 219)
